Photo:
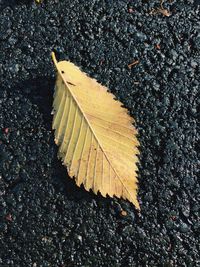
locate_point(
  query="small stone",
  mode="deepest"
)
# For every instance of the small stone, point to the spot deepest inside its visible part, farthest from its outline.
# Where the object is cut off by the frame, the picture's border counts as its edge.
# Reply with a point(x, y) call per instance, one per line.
point(193, 64)
point(130, 10)
point(9, 217)
point(123, 213)
point(6, 130)
point(184, 227)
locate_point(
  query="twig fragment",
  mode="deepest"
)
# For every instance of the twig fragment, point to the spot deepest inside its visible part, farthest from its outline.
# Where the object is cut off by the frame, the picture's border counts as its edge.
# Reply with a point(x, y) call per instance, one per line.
point(133, 64)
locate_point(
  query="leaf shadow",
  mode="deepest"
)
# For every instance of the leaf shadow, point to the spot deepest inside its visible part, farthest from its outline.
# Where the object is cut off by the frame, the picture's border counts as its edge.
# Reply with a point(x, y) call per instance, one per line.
point(11, 3)
point(40, 93)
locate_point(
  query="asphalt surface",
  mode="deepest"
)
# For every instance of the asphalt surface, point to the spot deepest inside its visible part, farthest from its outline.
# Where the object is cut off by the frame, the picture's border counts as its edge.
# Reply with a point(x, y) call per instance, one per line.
point(45, 219)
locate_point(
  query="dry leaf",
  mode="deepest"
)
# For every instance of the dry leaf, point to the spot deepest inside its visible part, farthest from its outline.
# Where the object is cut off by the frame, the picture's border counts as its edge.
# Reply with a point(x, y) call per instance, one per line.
point(161, 10)
point(97, 141)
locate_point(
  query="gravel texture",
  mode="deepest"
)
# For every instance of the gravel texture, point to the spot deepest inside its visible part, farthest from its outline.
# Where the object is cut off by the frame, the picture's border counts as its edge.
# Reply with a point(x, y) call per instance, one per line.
point(45, 219)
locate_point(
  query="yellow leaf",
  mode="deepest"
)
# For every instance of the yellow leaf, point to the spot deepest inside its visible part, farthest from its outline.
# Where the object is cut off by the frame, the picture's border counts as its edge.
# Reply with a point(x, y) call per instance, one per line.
point(96, 138)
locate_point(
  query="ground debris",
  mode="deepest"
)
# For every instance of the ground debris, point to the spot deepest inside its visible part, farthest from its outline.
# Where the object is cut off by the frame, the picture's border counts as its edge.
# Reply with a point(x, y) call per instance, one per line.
point(135, 62)
point(161, 10)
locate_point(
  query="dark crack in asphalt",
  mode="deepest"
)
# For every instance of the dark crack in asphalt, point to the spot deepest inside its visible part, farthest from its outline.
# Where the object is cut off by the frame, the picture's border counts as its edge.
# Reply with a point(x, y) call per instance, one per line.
point(45, 219)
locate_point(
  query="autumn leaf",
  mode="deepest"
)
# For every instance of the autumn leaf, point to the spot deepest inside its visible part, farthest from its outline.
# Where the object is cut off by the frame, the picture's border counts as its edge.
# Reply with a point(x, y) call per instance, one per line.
point(96, 137)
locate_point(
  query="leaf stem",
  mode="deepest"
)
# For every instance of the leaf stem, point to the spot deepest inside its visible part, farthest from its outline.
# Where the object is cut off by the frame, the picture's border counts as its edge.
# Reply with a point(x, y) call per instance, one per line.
point(54, 59)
